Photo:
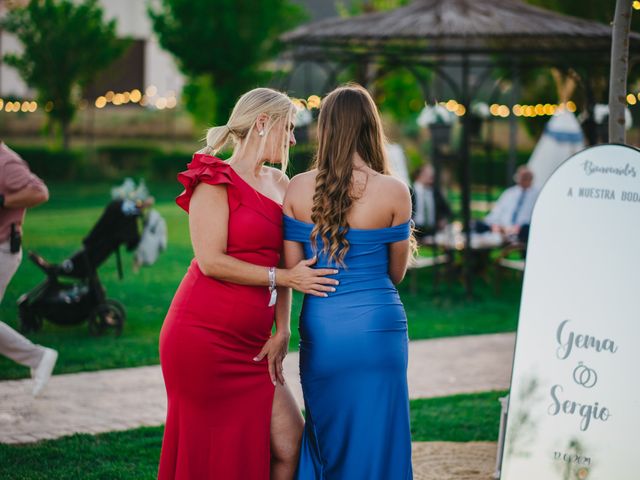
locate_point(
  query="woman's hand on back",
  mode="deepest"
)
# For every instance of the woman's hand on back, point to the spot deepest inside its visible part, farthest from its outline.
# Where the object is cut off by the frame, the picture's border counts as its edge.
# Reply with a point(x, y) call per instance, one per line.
point(305, 279)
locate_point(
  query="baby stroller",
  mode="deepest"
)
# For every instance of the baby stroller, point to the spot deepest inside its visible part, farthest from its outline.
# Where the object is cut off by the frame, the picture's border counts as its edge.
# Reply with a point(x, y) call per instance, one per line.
point(72, 292)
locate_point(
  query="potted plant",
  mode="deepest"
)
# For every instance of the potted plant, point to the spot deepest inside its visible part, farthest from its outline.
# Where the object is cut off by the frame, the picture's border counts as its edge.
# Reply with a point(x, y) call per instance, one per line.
point(439, 120)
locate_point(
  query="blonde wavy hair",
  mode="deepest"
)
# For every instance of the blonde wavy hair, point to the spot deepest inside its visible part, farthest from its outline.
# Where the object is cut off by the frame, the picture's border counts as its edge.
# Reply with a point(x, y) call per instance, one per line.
point(349, 122)
point(242, 122)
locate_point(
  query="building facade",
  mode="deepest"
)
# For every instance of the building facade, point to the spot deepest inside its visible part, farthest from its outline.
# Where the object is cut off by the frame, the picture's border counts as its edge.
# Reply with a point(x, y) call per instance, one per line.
point(145, 63)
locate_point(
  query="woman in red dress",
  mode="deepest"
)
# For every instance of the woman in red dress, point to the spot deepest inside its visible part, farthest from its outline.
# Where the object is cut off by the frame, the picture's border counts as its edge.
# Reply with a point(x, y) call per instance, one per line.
point(230, 415)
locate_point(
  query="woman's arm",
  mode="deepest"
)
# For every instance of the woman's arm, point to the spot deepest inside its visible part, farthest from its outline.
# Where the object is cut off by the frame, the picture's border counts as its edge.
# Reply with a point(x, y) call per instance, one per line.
point(208, 220)
point(276, 348)
point(283, 312)
point(293, 252)
point(298, 193)
point(399, 251)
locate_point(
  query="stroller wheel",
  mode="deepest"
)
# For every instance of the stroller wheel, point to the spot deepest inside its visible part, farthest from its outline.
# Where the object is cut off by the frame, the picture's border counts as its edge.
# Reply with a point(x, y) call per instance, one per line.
point(29, 322)
point(107, 317)
point(118, 306)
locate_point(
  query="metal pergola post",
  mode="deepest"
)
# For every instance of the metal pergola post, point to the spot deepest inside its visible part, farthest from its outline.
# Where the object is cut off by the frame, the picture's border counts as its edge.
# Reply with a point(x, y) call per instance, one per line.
point(513, 121)
point(466, 178)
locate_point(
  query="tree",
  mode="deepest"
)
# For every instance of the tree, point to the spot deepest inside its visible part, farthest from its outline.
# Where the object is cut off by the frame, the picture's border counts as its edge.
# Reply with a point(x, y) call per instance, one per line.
point(397, 91)
point(598, 72)
point(66, 44)
point(600, 10)
point(619, 69)
point(223, 43)
point(358, 7)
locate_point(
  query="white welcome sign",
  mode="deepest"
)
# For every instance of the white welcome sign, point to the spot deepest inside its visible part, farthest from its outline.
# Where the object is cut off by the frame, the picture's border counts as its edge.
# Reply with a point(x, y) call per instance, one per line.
point(574, 408)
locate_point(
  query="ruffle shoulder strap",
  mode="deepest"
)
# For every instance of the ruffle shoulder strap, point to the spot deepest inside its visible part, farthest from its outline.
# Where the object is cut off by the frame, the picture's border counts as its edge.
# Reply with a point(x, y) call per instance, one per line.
point(205, 169)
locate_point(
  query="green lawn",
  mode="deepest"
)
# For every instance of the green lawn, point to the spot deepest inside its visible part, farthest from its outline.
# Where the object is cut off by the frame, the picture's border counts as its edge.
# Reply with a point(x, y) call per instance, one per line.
point(55, 230)
point(459, 418)
point(134, 454)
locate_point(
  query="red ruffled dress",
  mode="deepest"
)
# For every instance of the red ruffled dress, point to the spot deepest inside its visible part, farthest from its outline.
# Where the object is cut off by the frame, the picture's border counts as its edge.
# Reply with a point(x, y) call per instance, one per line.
point(219, 399)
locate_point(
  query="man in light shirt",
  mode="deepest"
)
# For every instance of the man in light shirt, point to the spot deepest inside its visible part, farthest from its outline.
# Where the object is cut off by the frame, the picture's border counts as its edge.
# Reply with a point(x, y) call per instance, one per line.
point(511, 215)
point(430, 209)
point(19, 189)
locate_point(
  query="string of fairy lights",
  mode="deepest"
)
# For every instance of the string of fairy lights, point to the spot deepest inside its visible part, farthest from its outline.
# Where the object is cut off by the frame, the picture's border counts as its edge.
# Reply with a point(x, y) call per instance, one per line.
point(500, 110)
point(531, 110)
point(151, 99)
point(496, 109)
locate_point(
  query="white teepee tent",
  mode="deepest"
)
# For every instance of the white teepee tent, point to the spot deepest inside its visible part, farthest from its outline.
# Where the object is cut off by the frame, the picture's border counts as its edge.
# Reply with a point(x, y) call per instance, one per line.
point(562, 137)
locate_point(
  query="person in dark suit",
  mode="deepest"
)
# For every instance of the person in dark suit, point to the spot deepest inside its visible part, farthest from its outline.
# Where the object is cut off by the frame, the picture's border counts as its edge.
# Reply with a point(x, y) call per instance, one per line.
point(431, 211)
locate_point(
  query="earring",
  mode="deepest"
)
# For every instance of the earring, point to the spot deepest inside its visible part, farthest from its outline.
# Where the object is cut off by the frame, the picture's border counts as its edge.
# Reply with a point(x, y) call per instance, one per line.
point(261, 133)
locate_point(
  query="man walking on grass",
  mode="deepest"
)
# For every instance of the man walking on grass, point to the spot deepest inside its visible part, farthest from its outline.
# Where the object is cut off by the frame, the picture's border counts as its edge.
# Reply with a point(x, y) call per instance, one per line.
point(19, 189)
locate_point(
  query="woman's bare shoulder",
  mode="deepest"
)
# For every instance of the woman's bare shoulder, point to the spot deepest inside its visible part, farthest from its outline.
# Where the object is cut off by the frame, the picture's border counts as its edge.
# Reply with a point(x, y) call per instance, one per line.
point(401, 196)
point(393, 184)
point(304, 180)
point(394, 193)
point(277, 175)
point(299, 195)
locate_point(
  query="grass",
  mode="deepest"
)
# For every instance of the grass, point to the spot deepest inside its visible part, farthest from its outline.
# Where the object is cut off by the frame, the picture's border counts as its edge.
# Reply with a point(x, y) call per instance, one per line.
point(459, 418)
point(56, 229)
point(134, 454)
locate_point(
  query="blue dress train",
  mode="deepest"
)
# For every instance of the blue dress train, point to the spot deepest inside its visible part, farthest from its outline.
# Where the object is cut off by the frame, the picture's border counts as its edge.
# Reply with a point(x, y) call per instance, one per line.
point(353, 365)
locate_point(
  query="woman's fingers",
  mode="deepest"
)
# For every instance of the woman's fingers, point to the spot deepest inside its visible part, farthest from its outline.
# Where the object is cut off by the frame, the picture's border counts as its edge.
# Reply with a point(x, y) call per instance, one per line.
point(261, 355)
point(310, 261)
point(325, 271)
point(321, 283)
point(279, 370)
point(323, 288)
point(316, 293)
point(272, 369)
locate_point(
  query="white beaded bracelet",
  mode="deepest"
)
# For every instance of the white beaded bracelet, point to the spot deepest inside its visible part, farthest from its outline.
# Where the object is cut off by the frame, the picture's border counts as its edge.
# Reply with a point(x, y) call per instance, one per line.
point(272, 286)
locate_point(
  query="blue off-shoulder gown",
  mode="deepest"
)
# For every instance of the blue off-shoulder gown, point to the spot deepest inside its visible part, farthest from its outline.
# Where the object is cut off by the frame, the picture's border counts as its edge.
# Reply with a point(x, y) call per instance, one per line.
point(353, 364)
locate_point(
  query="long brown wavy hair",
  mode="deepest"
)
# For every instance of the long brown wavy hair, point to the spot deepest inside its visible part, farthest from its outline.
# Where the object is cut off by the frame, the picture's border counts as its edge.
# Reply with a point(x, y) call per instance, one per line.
point(349, 122)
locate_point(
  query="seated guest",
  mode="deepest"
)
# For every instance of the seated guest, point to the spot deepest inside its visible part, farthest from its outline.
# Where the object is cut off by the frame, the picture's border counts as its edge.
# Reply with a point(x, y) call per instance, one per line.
point(511, 214)
point(431, 211)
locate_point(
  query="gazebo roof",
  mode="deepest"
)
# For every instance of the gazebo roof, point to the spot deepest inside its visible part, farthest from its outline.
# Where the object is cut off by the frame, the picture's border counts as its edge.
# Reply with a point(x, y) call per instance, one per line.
point(461, 26)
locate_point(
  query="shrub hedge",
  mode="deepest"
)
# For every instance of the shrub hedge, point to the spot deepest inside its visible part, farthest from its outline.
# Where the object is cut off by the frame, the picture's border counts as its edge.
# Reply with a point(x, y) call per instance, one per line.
point(112, 162)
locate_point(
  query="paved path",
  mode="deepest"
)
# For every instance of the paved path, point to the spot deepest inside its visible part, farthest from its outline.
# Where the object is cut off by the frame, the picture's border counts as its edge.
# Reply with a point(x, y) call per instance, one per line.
point(454, 461)
point(122, 399)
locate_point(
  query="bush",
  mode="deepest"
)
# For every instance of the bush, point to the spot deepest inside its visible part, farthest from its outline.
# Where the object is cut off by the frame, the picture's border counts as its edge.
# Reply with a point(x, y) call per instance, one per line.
point(52, 164)
point(126, 158)
point(166, 165)
point(112, 162)
point(300, 159)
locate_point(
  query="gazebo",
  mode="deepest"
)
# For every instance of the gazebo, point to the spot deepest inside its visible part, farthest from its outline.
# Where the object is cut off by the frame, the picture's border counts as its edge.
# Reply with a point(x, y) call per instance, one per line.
point(476, 36)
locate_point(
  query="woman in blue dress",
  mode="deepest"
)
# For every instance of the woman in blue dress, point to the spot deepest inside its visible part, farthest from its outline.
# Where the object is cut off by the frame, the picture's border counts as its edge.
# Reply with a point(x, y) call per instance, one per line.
point(350, 213)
